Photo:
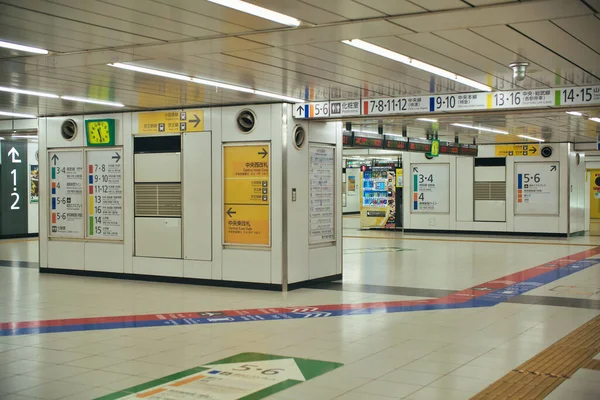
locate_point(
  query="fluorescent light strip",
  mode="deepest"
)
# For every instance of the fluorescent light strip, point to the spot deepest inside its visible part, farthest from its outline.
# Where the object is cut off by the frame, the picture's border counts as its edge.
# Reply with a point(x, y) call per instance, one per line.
point(29, 92)
point(24, 137)
point(204, 82)
point(12, 114)
point(595, 120)
point(360, 44)
point(92, 101)
point(20, 47)
point(576, 113)
point(258, 11)
point(427, 120)
point(480, 128)
point(531, 138)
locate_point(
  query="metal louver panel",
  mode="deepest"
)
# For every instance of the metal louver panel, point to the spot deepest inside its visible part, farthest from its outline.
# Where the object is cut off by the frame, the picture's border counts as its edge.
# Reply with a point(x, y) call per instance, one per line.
point(490, 191)
point(158, 200)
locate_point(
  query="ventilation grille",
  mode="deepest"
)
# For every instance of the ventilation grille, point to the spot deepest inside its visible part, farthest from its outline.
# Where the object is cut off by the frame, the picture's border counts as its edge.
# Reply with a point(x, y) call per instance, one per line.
point(490, 191)
point(158, 200)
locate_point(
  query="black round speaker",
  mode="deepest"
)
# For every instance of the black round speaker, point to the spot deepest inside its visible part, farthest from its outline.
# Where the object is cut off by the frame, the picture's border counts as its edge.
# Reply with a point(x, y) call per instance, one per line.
point(68, 129)
point(546, 151)
point(246, 120)
point(299, 136)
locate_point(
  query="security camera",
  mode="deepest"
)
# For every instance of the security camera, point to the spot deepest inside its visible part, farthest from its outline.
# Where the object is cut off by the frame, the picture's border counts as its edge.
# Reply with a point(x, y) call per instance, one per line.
point(519, 70)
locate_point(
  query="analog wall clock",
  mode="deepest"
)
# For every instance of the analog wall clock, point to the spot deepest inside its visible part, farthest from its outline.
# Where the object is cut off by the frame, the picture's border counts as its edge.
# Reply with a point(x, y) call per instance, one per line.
point(100, 132)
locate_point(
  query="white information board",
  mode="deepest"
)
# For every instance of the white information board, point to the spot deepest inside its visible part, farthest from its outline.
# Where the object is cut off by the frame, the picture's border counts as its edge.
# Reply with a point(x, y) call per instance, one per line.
point(430, 188)
point(537, 188)
point(104, 180)
point(322, 194)
point(66, 194)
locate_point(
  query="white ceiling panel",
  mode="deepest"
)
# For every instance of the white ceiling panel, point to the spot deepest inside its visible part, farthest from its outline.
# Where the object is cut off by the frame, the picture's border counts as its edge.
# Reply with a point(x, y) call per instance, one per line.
point(196, 47)
point(497, 53)
point(479, 3)
point(301, 10)
point(49, 42)
point(137, 15)
point(76, 28)
point(595, 4)
point(395, 7)
point(586, 29)
point(328, 33)
point(436, 5)
point(411, 77)
point(414, 51)
point(520, 44)
point(559, 41)
point(346, 8)
point(178, 15)
point(110, 18)
point(495, 15)
point(498, 73)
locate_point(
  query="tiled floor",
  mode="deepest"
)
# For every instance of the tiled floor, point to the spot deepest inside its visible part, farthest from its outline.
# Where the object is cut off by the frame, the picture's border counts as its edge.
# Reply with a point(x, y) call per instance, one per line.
point(438, 354)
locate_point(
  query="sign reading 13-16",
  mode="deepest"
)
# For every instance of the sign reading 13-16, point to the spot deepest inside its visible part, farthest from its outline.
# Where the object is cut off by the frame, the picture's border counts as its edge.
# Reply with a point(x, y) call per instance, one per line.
point(431, 188)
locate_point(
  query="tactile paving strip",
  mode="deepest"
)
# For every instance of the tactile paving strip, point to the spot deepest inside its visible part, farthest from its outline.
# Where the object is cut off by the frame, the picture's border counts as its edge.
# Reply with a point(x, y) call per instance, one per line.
point(537, 377)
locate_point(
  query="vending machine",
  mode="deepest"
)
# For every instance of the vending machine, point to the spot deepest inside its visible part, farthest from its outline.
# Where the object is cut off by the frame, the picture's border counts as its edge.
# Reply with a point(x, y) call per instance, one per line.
point(378, 198)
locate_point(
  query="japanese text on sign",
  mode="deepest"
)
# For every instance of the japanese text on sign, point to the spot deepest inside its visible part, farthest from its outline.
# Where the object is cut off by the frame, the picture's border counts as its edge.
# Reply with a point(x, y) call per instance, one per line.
point(66, 194)
point(322, 194)
point(537, 188)
point(105, 194)
point(171, 121)
point(246, 204)
point(431, 188)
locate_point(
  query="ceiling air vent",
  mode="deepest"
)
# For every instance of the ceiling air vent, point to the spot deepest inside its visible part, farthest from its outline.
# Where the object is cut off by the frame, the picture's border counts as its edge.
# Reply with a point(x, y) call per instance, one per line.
point(246, 120)
point(68, 129)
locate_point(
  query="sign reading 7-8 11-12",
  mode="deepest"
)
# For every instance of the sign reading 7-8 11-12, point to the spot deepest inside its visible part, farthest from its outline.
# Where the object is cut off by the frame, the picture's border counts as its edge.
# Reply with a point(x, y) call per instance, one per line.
point(455, 102)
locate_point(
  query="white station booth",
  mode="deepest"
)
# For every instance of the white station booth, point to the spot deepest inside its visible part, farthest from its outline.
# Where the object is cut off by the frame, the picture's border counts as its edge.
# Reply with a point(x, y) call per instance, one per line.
point(241, 196)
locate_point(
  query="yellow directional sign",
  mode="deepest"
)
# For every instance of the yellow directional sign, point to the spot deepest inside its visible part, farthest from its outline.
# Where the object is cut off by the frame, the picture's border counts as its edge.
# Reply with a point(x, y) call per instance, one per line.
point(246, 204)
point(506, 150)
point(171, 121)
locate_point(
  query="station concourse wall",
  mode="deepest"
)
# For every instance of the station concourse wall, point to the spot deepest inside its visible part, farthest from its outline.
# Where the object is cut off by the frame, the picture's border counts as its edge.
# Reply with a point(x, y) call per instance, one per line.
point(199, 165)
point(461, 216)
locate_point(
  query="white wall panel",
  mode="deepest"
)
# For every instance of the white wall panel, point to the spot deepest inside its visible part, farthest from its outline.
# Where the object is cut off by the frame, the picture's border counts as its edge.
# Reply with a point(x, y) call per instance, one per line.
point(66, 255)
point(157, 266)
point(322, 261)
point(197, 202)
point(105, 257)
point(247, 265)
point(353, 198)
point(158, 237)
point(464, 186)
point(490, 174)
point(158, 167)
point(490, 211)
point(262, 127)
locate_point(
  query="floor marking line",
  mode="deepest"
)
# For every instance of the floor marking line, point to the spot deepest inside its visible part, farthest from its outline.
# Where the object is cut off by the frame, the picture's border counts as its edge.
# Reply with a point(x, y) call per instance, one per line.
point(471, 241)
point(482, 295)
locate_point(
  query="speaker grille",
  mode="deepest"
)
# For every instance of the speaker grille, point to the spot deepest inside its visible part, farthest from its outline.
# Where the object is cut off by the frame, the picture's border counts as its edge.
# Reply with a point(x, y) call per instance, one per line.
point(158, 199)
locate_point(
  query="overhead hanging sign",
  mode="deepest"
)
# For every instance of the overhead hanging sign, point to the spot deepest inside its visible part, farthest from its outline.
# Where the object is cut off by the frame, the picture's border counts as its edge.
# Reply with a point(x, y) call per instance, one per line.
point(66, 194)
point(105, 194)
point(321, 194)
point(246, 204)
point(458, 102)
point(431, 188)
point(171, 121)
point(244, 376)
point(537, 191)
point(517, 150)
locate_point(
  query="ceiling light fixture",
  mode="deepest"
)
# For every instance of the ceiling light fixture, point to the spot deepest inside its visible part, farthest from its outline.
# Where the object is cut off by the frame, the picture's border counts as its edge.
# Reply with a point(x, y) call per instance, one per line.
point(20, 47)
point(12, 114)
point(427, 119)
point(371, 48)
point(204, 82)
point(258, 11)
point(29, 92)
point(481, 128)
point(531, 138)
point(595, 120)
point(92, 101)
point(576, 113)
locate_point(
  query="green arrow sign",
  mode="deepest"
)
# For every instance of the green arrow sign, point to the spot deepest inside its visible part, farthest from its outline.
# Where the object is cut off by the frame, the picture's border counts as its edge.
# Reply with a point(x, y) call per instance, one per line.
point(246, 376)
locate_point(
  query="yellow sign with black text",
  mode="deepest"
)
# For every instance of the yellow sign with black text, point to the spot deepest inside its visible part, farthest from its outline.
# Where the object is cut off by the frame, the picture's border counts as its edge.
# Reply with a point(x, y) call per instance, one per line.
point(173, 121)
point(517, 150)
point(246, 186)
